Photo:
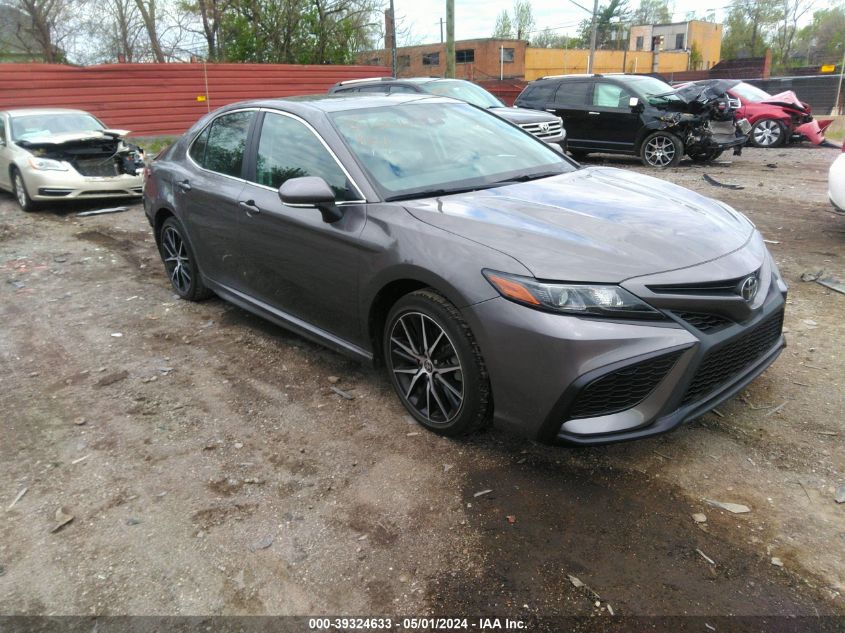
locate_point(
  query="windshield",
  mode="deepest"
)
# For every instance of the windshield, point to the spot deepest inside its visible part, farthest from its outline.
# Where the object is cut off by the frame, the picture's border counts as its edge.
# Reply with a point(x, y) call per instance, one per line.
point(750, 93)
point(419, 149)
point(34, 125)
point(465, 91)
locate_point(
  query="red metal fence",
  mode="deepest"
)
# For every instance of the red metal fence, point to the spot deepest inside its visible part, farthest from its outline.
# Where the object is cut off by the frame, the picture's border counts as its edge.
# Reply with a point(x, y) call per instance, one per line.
point(155, 99)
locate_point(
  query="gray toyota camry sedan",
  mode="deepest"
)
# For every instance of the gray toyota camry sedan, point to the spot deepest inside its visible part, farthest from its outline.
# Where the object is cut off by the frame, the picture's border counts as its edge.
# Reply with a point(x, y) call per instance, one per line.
point(492, 278)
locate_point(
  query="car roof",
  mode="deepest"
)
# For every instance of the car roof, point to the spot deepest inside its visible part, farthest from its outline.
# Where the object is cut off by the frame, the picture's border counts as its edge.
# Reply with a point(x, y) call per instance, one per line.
point(339, 102)
point(392, 80)
point(47, 111)
point(611, 76)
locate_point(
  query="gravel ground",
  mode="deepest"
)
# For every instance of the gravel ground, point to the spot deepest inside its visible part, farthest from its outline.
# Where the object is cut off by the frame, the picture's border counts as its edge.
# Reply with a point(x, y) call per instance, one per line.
point(210, 469)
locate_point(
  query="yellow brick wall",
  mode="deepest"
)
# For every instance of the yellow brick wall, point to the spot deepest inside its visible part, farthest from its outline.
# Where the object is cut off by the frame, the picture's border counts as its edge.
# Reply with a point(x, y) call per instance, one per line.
point(560, 61)
point(707, 38)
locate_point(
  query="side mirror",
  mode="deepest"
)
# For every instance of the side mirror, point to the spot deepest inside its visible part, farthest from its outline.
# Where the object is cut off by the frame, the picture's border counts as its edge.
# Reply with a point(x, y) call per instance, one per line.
point(634, 103)
point(311, 192)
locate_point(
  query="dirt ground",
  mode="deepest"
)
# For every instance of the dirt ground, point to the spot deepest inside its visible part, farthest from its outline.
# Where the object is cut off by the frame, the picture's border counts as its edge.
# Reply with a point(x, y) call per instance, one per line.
point(210, 469)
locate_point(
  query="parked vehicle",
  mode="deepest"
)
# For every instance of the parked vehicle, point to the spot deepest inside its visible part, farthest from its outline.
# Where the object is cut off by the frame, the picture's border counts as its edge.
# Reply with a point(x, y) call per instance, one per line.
point(544, 126)
point(57, 154)
point(639, 115)
point(775, 119)
point(490, 275)
point(836, 183)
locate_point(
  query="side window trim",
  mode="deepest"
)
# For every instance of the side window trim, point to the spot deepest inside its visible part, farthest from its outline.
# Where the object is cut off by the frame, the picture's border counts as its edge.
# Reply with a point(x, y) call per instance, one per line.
point(253, 154)
point(247, 147)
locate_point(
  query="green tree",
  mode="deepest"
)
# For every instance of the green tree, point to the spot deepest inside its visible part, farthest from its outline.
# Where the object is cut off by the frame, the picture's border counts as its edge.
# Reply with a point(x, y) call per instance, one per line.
point(523, 19)
point(652, 12)
point(504, 26)
point(549, 39)
point(610, 15)
point(750, 27)
point(821, 41)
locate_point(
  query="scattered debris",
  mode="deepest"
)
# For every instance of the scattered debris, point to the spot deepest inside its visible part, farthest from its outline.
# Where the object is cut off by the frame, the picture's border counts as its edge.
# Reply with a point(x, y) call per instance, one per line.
point(110, 379)
point(481, 493)
point(17, 284)
point(698, 517)
point(81, 459)
point(239, 445)
point(610, 610)
point(63, 517)
point(833, 284)
point(80, 421)
point(133, 521)
point(775, 410)
point(710, 626)
point(771, 241)
point(575, 582)
point(447, 468)
point(253, 480)
point(117, 334)
point(772, 165)
point(810, 275)
point(830, 433)
point(343, 394)
point(839, 497)
point(18, 497)
point(777, 562)
point(716, 183)
point(511, 518)
point(705, 557)
point(102, 211)
point(809, 322)
point(719, 413)
point(264, 543)
point(659, 454)
point(334, 380)
point(412, 434)
point(207, 325)
point(736, 508)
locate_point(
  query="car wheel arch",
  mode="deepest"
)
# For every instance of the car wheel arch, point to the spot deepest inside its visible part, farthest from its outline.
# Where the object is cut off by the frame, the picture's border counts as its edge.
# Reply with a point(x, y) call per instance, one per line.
point(160, 216)
point(389, 292)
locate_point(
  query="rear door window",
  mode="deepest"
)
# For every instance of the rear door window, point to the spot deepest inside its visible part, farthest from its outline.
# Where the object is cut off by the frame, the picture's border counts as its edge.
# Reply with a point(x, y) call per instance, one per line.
point(607, 95)
point(225, 143)
point(572, 94)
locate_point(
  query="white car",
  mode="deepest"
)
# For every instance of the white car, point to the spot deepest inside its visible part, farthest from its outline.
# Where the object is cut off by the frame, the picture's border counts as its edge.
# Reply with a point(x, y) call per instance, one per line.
point(836, 183)
point(57, 154)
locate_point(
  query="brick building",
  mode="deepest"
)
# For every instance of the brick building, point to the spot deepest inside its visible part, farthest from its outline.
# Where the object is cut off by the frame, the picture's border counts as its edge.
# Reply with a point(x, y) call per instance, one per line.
point(476, 60)
point(704, 37)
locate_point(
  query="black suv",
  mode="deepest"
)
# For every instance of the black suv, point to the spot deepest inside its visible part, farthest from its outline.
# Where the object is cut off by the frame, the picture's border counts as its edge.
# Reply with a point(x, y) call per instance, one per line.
point(639, 115)
point(545, 127)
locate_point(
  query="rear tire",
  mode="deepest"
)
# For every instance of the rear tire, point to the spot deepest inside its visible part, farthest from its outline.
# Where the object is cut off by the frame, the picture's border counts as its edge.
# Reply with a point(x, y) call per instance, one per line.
point(661, 150)
point(768, 133)
point(435, 365)
point(180, 262)
point(26, 203)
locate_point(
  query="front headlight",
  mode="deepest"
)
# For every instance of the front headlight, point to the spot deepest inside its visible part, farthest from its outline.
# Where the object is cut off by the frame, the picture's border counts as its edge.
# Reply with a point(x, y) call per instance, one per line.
point(604, 300)
point(46, 164)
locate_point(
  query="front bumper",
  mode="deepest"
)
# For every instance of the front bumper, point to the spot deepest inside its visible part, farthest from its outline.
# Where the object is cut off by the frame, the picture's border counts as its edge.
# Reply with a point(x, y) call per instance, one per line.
point(541, 364)
point(70, 185)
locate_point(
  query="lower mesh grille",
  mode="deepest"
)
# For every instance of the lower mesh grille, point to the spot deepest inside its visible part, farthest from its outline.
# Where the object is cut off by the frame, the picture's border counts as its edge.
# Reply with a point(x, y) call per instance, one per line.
point(704, 322)
point(96, 167)
point(623, 388)
point(722, 364)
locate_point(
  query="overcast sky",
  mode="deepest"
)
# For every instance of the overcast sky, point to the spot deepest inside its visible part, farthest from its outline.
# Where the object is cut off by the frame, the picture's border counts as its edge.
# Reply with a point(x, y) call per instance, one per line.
point(476, 18)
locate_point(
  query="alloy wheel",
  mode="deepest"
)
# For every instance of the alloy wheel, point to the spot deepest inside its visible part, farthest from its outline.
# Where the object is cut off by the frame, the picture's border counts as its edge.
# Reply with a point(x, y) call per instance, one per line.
point(767, 133)
point(176, 260)
point(660, 151)
point(427, 368)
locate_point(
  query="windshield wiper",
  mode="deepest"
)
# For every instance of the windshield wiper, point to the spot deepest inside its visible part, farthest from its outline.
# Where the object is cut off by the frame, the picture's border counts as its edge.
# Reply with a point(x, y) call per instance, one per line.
point(528, 177)
point(432, 193)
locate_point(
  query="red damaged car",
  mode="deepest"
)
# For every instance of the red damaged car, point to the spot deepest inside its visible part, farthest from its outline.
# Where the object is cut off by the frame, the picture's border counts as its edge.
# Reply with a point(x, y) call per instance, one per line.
point(775, 119)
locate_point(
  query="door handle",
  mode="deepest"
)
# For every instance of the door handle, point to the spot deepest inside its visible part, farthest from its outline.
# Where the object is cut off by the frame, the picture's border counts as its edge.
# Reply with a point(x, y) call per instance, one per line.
point(593, 113)
point(250, 207)
point(184, 185)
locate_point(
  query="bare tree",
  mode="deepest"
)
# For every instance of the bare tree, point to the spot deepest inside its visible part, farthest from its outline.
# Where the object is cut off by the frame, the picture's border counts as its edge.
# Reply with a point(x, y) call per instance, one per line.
point(147, 8)
point(792, 11)
point(43, 26)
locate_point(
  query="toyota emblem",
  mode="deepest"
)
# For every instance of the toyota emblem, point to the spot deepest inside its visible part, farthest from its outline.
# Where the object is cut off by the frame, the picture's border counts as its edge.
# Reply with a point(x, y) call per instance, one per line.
point(748, 288)
point(544, 127)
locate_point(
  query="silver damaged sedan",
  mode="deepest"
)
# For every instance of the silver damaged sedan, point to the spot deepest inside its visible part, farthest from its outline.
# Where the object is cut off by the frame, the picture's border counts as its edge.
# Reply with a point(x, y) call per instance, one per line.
point(49, 155)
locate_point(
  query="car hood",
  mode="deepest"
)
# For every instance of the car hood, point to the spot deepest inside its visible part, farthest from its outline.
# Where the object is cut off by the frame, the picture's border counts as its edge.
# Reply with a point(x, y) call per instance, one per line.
point(74, 138)
point(787, 99)
point(519, 115)
point(596, 224)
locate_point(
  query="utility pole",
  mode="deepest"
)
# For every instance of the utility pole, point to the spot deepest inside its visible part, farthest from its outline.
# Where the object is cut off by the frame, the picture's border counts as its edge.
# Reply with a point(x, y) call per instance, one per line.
point(450, 38)
point(593, 34)
point(836, 108)
point(390, 36)
point(441, 30)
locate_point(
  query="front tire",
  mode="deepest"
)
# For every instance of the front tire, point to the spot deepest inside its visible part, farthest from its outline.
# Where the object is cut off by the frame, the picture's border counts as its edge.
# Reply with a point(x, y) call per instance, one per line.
point(435, 365)
point(661, 150)
point(180, 262)
point(26, 203)
point(768, 133)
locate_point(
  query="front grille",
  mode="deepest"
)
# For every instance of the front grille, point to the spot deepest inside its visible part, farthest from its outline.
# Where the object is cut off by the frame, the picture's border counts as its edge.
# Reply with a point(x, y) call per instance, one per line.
point(96, 166)
point(706, 323)
point(554, 129)
point(728, 361)
point(721, 287)
point(623, 388)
